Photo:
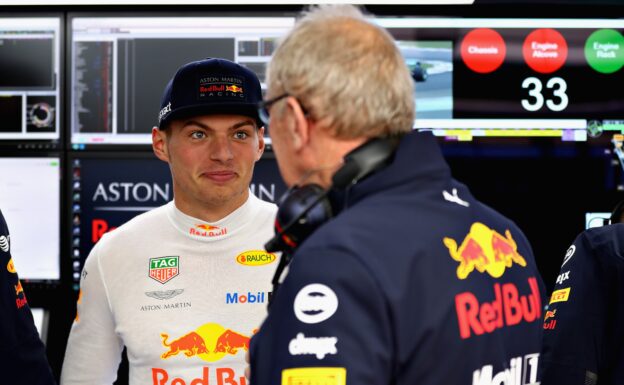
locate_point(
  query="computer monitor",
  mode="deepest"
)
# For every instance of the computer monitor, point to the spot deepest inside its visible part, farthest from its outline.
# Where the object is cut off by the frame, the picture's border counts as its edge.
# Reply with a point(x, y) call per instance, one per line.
point(514, 77)
point(596, 219)
point(30, 84)
point(41, 317)
point(120, 66)
point(30, 200)
point(108, 189)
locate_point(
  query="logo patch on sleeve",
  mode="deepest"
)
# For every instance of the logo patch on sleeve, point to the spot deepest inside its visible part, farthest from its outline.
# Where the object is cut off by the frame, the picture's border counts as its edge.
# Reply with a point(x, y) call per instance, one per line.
point(314, 376)
point(560, 295)
point(315, 303)
point(11, 266)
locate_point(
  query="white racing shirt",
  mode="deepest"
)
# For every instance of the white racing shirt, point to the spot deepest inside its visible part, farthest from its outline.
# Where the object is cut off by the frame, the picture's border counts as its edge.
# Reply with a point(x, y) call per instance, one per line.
point(183, 295)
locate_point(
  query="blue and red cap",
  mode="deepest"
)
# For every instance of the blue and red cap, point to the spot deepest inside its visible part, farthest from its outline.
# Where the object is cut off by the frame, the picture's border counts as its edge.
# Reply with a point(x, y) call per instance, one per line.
point(209, 87)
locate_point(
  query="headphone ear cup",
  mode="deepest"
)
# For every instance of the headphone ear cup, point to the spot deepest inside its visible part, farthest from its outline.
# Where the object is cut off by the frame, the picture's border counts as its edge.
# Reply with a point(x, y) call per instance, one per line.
point(299, 205)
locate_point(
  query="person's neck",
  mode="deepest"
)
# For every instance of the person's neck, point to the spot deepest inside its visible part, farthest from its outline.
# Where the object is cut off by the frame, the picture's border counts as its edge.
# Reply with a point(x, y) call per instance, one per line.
point(332, 151)
point(208, 212)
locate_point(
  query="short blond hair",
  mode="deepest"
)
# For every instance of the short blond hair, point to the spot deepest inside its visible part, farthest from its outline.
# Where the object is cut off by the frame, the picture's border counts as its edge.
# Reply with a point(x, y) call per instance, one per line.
point(347, 72)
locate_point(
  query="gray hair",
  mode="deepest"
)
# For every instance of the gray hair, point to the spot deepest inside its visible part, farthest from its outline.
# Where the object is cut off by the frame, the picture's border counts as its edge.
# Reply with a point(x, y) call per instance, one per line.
point(347, 72)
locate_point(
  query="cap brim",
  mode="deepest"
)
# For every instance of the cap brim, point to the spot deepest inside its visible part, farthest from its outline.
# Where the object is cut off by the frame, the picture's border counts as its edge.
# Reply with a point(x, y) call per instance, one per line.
point(245, 109)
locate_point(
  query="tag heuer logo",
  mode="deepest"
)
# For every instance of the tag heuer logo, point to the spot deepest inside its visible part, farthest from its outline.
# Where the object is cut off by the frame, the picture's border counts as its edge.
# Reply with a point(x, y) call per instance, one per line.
point(164, 269)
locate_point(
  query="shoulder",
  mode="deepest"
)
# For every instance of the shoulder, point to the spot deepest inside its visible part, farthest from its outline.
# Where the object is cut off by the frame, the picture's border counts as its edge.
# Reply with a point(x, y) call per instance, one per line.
point(136, 229)
point(602, 242)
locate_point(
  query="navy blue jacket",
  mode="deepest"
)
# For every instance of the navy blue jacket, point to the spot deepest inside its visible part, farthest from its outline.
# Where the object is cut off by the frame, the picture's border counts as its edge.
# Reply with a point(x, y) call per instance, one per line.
point(584, 324)
point(414, 282)
point(22, 354)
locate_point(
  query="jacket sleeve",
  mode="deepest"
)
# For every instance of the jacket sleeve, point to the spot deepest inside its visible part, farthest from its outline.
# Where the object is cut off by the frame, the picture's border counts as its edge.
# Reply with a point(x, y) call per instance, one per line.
point(93, 349)
point(329, 320)
point(575, 321)
point(22, 354)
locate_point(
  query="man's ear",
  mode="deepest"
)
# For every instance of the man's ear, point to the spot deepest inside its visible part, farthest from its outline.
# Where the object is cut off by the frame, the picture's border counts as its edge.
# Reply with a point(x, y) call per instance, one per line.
point(261, 144)
point(159, 144)
point(299, 125)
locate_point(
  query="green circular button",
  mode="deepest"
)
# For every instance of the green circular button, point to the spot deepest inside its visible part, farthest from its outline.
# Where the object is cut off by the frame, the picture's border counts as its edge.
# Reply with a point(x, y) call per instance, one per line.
point(604, 51)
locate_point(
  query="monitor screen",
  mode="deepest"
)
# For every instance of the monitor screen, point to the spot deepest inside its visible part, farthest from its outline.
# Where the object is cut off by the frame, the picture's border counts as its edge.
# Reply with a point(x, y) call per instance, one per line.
point(120, 66)
point(40, 316)
point(29, 78)
point(514, 77)
point(108, 189)
point(597, 219)
point(32, 208)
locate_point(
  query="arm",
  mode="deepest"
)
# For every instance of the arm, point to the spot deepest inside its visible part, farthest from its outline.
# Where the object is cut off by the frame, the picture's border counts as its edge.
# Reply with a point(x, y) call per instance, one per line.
point(329, 313)
point(575, 322)
point(93, 349)
point(22, 354)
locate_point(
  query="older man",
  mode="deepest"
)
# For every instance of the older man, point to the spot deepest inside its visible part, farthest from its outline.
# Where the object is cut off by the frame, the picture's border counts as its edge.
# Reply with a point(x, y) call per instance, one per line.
point(413, 281)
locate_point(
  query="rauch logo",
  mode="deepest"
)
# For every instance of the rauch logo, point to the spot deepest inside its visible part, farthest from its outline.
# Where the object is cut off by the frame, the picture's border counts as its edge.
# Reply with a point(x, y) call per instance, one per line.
point(255, 258)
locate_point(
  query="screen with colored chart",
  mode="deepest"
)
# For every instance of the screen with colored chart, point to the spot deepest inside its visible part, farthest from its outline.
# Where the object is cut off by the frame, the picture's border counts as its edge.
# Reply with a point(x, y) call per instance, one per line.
point(514, 77)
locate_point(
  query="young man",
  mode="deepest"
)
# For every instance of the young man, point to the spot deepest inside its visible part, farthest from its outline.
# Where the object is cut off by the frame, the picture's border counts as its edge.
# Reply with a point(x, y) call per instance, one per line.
point(23, 359)
point(414, 281)
point(583, 325)
point(184, 286)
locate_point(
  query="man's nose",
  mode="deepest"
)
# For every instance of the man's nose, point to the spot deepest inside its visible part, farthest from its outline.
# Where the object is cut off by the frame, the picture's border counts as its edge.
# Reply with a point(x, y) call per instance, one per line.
point(221, 149)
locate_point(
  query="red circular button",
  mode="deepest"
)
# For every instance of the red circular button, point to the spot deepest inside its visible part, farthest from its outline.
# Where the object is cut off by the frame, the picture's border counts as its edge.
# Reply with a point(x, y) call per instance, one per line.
point(483, 50)
point(545, 50)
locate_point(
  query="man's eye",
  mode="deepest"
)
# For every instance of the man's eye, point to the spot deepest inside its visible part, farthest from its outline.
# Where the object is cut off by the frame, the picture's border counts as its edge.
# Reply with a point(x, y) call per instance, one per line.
point(197, 135)
point(241, 135)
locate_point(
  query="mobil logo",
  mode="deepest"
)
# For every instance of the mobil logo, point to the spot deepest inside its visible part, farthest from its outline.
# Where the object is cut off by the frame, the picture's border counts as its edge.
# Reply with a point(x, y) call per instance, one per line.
point(248, 297)
point(485, 250)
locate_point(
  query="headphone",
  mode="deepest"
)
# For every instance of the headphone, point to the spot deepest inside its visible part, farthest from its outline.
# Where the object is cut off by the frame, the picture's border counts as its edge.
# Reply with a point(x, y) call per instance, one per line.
point(617, 213)
point(305, 208)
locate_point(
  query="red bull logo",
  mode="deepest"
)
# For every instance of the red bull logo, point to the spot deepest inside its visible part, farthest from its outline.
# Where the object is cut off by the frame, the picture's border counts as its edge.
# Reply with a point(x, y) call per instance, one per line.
point(204, 230)
point(229, 342)
point(234, 88)
point(550, 325)
point(224, 376)
point(11, 267)
point(485, 250)
point(212, 88)
point(191, 344)
point(20, 301)
point(210, 342)
point(550, 314)
point(207, 227)
point(509, 308)
point(18, 288)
